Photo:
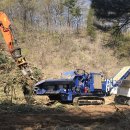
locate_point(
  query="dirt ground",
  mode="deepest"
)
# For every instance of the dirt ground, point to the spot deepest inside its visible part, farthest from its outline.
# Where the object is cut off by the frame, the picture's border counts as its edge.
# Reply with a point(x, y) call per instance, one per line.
point(64, 117)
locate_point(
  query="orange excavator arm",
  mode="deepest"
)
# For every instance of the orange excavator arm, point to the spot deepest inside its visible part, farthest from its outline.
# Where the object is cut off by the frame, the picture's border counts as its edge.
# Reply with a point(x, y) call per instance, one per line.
point(5, 28)
point(6, 31)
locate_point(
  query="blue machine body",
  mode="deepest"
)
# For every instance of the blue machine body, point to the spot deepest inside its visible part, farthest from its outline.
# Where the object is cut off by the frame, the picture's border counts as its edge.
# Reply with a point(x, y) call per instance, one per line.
point(75, 84)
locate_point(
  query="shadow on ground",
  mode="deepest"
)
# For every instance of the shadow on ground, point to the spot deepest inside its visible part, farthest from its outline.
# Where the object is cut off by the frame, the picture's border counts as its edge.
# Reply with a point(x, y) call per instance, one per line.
point(34, 117)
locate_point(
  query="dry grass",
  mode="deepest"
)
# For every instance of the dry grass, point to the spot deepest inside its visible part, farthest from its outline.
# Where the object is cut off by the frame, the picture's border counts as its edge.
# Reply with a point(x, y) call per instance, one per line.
point(55, 53)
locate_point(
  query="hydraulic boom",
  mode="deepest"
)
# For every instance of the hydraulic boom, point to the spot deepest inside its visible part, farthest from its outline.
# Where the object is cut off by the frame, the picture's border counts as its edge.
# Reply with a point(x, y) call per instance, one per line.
point(5, 28)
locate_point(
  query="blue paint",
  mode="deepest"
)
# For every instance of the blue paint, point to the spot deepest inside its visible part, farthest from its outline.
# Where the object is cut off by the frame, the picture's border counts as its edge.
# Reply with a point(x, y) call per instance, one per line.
point(79, 84)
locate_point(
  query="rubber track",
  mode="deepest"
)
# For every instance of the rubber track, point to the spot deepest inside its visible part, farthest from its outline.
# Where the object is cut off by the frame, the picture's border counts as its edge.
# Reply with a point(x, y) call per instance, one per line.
point(88, 100)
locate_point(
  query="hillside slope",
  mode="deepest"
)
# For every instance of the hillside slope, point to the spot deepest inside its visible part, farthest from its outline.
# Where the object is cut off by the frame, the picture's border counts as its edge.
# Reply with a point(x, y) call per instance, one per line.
point(56, 53)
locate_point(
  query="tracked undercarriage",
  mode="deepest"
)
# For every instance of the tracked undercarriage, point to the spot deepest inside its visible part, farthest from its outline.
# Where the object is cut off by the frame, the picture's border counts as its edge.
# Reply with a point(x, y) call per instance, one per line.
point(86, 100)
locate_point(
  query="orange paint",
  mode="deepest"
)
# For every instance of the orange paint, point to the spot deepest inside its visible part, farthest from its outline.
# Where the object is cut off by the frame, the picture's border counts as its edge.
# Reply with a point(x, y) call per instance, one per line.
point(5, 29)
